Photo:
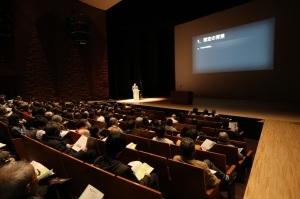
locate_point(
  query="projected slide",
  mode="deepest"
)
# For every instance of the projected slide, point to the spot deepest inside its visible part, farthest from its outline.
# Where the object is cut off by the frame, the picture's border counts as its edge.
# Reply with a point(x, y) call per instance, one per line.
point(243, 48)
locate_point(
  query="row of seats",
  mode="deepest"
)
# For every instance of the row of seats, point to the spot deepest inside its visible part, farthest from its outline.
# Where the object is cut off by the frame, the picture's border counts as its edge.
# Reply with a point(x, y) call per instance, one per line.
point(81, 173)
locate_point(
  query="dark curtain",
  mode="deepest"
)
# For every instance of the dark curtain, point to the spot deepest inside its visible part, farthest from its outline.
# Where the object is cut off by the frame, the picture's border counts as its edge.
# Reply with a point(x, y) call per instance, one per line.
point(140, 50)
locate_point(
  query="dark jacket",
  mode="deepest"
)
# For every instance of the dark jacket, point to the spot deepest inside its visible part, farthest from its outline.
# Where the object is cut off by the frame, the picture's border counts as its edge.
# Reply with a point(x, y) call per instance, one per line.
point(115, 166)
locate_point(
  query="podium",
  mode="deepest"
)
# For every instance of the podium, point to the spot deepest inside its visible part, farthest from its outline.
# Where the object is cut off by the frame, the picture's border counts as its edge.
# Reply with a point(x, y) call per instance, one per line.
point(136, 94)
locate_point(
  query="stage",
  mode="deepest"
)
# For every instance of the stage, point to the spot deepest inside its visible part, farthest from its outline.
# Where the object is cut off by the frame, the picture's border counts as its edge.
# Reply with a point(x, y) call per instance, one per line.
point(243, 108)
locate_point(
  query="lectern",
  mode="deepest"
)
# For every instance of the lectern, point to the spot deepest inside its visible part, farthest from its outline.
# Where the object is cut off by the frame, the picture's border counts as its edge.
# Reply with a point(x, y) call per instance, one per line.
point(135, 92)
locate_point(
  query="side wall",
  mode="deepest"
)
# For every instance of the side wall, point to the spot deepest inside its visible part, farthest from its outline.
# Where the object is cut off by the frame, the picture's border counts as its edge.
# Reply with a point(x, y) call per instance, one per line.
point(44, 61)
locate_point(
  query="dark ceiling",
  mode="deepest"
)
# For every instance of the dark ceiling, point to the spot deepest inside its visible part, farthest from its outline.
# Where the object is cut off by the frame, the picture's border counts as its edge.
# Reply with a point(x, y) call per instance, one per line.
point(168, 12)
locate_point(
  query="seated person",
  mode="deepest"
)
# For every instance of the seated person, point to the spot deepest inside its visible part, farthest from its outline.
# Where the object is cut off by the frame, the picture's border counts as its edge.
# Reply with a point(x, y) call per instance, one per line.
point(18, 181)
point(130, 124)
point(183, 132)
point(114, 123)
point(52, 138)
point(16, 128)
point(190, 133)
point(173, 118)
point(187, 151)
point(194, 111)
point(169, 126)
point(213, 113)
point(160, 136)
point(4, 114)
point(57, 119)
point(223, 139)
point(5, 158)
point(199, 130)
point(114, 145)
point(82, 127)
point(139, 123)
point(101, 124)
point(205, 113)
point(181, 117)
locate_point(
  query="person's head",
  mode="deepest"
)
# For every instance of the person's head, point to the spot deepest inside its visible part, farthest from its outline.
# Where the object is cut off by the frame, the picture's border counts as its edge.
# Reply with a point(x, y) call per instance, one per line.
point(4, 157)
point(85, 115)
point(101, 119)
point(84, 131)
point(187, 148)
point(205, 112)
point(114, 145)
point(81, 124)
point(52, 129)
point(130, 124)
point(114, 130)
point(145, 122)
point(156, 123)
point(57, 118)
point(181, 117)
point(94, 131)
point(195, 110)
point(183, 131)
point(17, 180)
point(160, 132)
point(39, 122)
point(49, 115)
point(113, 121)
point(2, 99)
point(213, 112)
point(138, 122)
point(223, 137)
point(77, 115)
point(169, 122)
point(4, 112)
point(192, 133)
point(13, 120)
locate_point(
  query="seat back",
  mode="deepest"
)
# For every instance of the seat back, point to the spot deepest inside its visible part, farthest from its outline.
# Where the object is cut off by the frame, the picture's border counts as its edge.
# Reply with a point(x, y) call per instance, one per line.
point(218, 159)
point(159, 148)
point(159, 164)
point(187, 181)
point(231, 153)
point(142, 143)
point(82, 174)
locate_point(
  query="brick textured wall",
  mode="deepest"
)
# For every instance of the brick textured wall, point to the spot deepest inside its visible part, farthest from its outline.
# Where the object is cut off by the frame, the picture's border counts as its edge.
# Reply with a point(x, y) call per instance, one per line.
point(37, 80)
point(48, 63)
point(74, 81)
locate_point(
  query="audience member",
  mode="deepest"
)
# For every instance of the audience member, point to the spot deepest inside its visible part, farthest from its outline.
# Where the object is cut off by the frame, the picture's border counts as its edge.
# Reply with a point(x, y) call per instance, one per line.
point(223, 139)
point(114, 145)
point(160, 136)
point(199, 130)
point(169, 126)
point(82, 127)
point(18, 181)
point(16, 128)
point(187, 151)
point(190, 133)
point(114, 123)
point(5, 157)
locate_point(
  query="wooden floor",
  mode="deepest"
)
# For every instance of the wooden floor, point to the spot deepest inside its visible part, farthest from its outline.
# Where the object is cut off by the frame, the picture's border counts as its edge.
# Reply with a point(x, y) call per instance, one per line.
point(275, 172)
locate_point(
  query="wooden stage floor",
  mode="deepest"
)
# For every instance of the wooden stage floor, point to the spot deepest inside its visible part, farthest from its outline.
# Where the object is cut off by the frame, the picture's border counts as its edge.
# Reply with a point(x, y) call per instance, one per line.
point(252, 109)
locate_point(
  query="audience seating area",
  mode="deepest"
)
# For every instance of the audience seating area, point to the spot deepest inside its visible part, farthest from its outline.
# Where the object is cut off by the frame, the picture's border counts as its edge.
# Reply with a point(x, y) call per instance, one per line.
point(176, 180)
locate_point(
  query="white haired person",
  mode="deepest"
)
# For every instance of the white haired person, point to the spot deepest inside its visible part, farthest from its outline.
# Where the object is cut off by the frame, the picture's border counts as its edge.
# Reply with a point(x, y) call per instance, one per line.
point(17, 180)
